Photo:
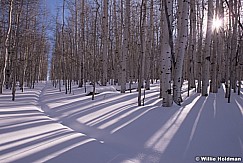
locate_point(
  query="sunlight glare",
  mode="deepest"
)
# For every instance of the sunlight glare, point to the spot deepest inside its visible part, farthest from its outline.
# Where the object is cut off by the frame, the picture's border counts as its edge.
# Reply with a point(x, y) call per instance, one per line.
point(217, 23)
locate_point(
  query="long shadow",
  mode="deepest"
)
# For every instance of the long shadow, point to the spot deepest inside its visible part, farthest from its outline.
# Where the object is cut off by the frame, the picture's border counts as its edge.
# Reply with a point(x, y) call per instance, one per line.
point(30, 137)
point(22, 116)
point(74, 150)
point(185, 139)
point(208, 130)
point(151, 99)
point(21, 123)
point(130, 128)
point(18, 112)
point(130, 122)
point(59, 96)
point(54, 97)
point(161, 139)
point(79, 103)
point(54, 136)
point(26, 126)
point(113, 114)
point(106, 116)
point(94, 107)
point(107, 102)
point(73, 105)
point(102, 109)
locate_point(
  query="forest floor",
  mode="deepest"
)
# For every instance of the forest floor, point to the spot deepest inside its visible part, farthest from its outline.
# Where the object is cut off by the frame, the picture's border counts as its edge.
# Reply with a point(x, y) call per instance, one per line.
point(45, 125)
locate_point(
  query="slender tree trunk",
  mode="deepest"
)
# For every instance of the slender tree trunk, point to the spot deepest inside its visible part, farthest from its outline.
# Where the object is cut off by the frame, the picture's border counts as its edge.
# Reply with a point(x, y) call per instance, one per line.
point(125, 47)
point(142, 50)
point(63, 47)
point(206, 51)
point(192, 45)
point(166, 53)
point(199, 50)
point(105, 43)
point(233, 48)
point(180, 53)
point(16, 48)
point(83, 55)
point(150, 47)
point(7, 46)
point(94, 52)
point(213, 86)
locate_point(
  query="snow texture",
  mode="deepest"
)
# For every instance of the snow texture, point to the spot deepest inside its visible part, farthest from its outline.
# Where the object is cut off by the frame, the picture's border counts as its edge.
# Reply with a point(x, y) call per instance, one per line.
point(45, 125)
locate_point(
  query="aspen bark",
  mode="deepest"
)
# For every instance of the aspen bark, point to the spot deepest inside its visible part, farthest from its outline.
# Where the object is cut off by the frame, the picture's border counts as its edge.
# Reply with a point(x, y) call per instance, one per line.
point(199, 49)
point(7, 45)
point(94, 49)
point(105, 43)
point(149, 57)
point(206, 51)
point(142, 50)
point(166, 15)
point(192, 46)
point(125, 47)
point(182, 41)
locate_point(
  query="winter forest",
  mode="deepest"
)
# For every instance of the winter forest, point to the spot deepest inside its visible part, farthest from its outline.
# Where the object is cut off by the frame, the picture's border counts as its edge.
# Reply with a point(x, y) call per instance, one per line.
point(119, 42)
point(93, 75)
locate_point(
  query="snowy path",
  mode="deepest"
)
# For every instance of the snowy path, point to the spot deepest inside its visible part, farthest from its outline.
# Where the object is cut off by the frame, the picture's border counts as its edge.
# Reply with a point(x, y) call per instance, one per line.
point(28, 135)
point(113, 129)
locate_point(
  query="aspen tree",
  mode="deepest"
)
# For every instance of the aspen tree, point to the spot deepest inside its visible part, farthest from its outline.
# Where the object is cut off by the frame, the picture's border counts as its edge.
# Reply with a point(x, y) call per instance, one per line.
point(83, 51)
point(214, 53)
point(192, 46)
point(206, 51)
point(180, 51)
point(213, 82)
point(94, 49)
point(105, 43)
point(220, 47)
point(233, 6)
point(120, 56)
point(200, 18)
point(16, 48)
point(166, 19)
point(149, 57)
point(142, 50)
point(240, 65)
point(76, 46)
point(7, 45)
point(125, 47)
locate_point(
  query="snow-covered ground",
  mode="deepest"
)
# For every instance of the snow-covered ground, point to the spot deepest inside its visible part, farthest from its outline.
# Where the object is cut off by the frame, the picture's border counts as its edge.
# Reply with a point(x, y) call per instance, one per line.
point(45, 125)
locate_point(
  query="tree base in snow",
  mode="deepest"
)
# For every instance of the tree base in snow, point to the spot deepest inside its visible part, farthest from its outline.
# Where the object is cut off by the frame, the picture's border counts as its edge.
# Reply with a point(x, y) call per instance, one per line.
point(90, 94)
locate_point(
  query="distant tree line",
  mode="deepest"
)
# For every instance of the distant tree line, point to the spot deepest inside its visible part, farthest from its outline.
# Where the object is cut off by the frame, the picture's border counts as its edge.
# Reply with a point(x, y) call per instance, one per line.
point(144, 41)
point(131, 41)
point(24, 45)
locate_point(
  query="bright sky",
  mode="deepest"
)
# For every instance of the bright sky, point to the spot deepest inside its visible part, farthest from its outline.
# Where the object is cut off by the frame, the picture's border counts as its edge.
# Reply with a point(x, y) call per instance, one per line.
point(53, 4)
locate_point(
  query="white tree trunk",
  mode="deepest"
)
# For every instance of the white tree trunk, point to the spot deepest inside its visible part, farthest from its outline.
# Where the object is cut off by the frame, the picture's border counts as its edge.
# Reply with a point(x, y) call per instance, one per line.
point(215, 55)
point(221, 47)
point(199, 49)
point(182, 42)
point(142, 50)
point(7, 44)
point(125, 47)
point(166, 17)
point(206, 51)
point(213, 83)
point(233, 48)
point(192, 46)
point(117, 47)
point(105, 43)
point(150, 48)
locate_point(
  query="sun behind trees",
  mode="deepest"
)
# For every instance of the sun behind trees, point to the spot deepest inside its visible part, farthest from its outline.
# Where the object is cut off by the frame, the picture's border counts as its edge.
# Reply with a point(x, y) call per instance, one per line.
point(125, 42)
